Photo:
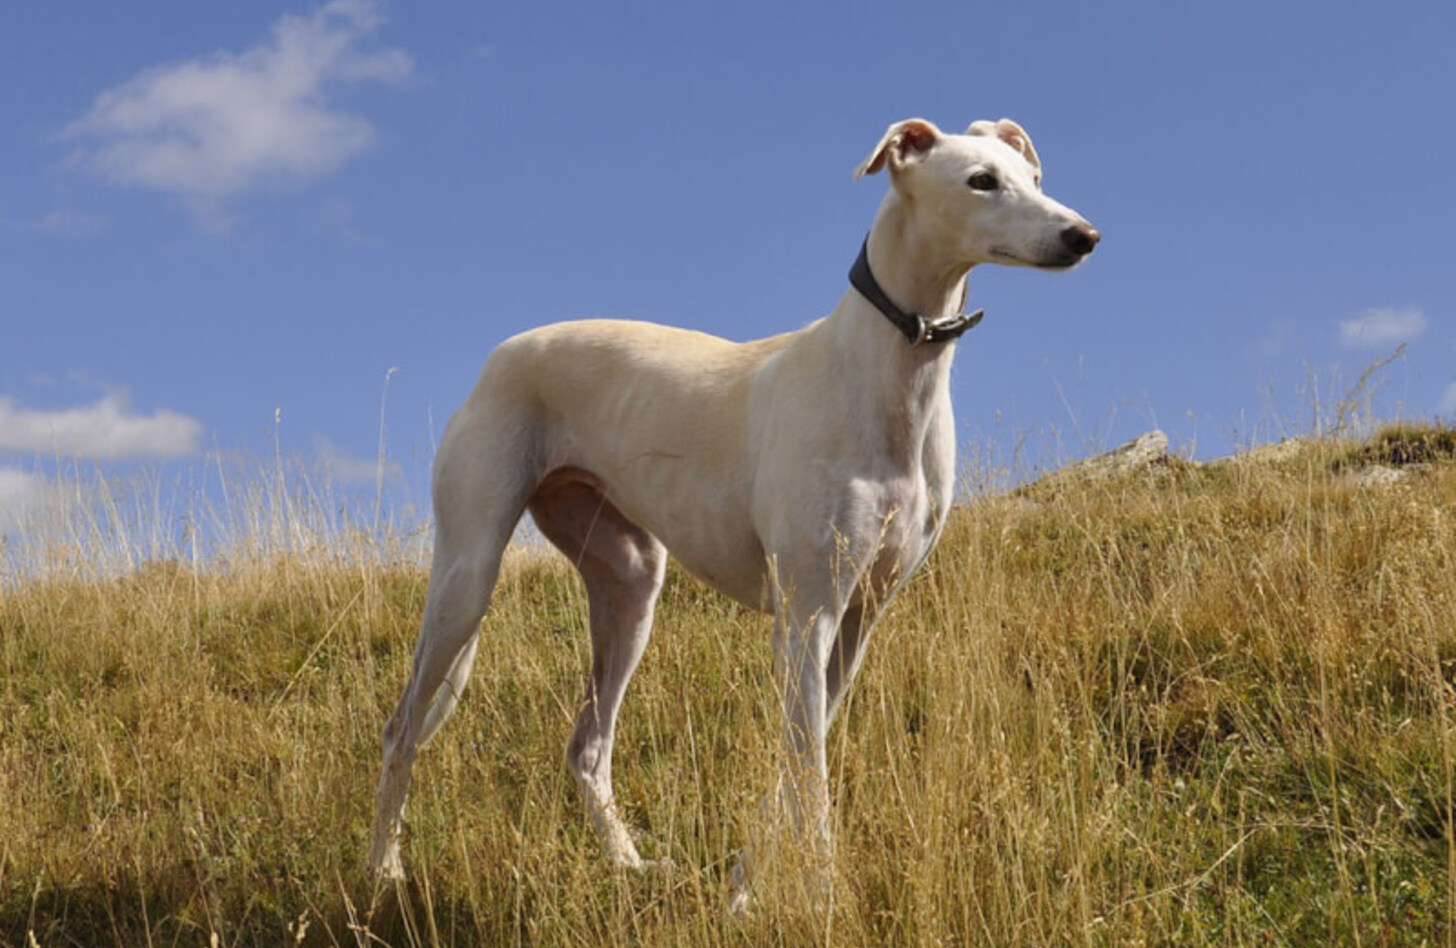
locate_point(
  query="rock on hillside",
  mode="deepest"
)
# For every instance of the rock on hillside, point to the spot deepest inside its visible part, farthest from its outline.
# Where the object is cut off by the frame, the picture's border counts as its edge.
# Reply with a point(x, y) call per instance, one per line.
point(1387, 458)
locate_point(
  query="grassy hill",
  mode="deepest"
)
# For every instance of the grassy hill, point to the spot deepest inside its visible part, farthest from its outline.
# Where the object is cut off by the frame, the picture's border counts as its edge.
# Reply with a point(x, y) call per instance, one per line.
point(1183, 705)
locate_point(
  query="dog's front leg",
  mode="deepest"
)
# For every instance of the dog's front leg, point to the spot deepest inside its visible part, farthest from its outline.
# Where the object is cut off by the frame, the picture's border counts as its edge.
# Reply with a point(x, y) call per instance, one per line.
point(801, 648)
point(805, 627)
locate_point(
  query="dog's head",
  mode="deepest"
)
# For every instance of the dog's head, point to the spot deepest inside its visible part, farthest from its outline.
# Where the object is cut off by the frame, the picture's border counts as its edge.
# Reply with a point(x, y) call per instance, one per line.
point(981, 192)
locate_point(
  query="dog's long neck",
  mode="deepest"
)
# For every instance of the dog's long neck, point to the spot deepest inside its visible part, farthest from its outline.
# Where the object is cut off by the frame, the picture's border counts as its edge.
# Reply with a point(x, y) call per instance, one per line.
point(913, 269)
point(903, 384)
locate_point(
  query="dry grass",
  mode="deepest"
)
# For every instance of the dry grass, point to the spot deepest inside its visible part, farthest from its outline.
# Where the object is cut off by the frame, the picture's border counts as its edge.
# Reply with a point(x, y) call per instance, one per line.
point(1191, 706)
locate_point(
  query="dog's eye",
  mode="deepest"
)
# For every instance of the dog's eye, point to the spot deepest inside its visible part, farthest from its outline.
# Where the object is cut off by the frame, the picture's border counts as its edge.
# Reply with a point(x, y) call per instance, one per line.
point(983, 181)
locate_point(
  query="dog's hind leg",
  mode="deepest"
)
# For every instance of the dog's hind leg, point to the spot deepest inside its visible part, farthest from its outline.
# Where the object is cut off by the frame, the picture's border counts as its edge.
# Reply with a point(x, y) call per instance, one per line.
point(475, 513)
point(622, 566)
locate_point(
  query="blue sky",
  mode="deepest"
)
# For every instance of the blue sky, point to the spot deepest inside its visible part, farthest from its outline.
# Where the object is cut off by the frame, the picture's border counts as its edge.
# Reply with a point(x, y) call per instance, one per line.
point(221, 223)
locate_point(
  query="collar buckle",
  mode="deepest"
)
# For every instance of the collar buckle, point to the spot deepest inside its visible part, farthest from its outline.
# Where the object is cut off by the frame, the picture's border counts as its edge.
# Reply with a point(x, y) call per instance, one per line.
point(916, 329)
point(922, 330)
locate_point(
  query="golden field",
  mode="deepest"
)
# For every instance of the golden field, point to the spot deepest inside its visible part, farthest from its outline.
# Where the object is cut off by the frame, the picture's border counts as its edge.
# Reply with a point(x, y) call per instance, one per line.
point(1189, 705)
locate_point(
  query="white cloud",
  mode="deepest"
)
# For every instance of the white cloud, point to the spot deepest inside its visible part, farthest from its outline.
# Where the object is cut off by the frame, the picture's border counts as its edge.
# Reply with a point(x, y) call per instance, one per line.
point(107, 430)
point(1448, 401)
point(23, 496)
point(342, 469)
point(1378, 328)
point(210, 128)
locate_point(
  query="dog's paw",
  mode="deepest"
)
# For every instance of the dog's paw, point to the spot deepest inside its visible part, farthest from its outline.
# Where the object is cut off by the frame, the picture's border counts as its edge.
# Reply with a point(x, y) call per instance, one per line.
point(385, 863)
point(740, 893)
point(646, 867)
point(389, 867)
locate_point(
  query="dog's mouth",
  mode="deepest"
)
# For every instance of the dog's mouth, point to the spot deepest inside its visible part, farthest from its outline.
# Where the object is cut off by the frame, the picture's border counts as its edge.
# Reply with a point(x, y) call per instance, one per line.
point(1062, 264)
point(1064, 260)
point(998, 255)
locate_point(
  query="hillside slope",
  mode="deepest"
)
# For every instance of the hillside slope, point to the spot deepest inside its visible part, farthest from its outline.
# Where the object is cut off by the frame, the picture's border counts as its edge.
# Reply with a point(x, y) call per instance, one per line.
point(1177, 705)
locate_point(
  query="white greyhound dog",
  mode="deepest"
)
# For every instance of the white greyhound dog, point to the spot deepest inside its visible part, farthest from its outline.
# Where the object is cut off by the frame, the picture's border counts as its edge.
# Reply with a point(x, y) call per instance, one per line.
point(808, 473)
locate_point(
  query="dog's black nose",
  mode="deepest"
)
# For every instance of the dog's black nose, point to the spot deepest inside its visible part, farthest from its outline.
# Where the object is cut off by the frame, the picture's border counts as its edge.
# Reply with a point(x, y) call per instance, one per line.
point(1080, 238)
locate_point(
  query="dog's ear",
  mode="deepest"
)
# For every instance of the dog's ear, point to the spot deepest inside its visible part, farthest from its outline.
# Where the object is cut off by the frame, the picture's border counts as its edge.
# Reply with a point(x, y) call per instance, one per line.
point(903, 142)
point(1013, 135)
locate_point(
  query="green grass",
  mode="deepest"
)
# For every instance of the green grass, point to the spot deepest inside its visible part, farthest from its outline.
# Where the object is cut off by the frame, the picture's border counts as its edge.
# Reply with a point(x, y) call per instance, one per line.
point(1193, 706)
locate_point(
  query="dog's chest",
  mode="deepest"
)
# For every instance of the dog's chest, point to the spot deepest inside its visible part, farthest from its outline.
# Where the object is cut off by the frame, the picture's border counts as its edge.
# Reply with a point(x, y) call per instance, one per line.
point(897, 517)
point(912, 515)
point(914, 505)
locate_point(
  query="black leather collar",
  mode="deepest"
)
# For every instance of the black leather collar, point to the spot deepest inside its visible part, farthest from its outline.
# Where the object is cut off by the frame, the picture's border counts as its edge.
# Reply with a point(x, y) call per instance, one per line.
point(914, 327)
